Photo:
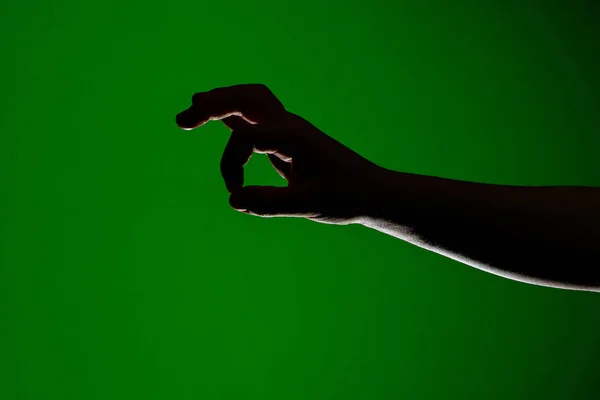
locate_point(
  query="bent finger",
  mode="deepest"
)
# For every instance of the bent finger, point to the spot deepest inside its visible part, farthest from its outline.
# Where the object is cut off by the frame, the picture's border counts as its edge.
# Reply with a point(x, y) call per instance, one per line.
point(252, 139)
point(253, 102)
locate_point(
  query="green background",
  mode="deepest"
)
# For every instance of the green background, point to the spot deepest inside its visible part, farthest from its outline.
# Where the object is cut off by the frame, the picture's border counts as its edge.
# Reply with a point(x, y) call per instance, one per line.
point(124, 273)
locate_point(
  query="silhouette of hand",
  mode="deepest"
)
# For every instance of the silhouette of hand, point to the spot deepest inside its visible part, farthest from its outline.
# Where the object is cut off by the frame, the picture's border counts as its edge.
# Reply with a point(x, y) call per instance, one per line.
point(327, 182)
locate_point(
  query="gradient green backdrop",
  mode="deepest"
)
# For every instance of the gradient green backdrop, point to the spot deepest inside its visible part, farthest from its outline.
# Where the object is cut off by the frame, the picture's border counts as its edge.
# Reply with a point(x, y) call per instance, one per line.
point(125, 274)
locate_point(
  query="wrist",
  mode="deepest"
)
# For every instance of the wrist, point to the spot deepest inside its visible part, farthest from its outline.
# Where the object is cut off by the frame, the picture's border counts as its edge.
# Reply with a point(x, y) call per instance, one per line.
point(405, 199)
point(388, 195)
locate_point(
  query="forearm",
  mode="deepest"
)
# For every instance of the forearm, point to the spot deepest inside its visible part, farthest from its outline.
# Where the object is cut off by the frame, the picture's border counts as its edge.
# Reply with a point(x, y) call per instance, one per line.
point(540, 235)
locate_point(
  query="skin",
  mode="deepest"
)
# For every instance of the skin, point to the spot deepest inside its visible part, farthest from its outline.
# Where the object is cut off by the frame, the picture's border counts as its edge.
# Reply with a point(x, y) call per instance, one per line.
point(541, 235)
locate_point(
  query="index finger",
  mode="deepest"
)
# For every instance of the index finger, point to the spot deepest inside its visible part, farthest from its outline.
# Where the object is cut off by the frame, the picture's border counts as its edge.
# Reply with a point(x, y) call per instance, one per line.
point(254, 103)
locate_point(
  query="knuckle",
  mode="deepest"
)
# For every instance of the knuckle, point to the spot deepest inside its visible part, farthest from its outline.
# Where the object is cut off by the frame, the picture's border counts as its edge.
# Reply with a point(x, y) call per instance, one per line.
point(266, 94)
point(261, 87)
point(197, 97)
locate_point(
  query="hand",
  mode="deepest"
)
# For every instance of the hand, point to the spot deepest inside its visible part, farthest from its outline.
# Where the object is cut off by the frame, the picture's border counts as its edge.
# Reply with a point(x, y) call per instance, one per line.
point(327, 182)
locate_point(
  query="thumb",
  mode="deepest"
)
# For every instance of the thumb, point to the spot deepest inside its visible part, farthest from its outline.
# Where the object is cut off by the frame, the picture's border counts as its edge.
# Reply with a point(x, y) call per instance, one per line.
point(270, 201)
